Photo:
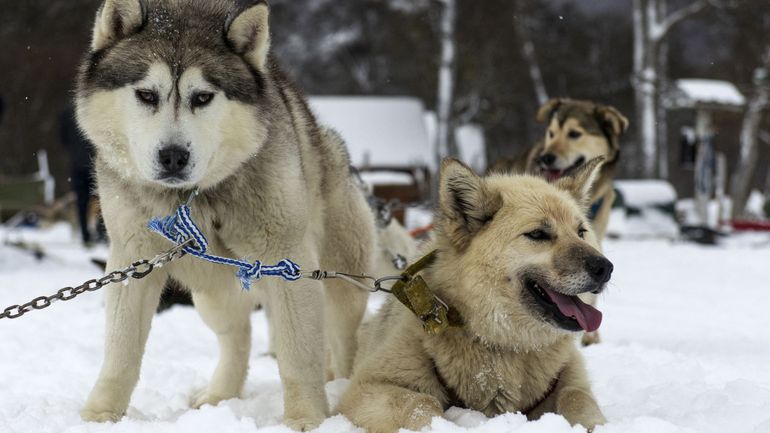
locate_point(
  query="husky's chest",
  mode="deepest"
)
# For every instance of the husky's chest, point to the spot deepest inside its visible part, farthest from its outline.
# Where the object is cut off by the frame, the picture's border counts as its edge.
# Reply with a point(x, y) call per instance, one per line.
point(492, 381)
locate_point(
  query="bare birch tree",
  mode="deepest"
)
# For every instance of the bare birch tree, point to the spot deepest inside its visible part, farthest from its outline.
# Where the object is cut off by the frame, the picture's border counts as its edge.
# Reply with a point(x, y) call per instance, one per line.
point(746, 166)
point(445, 144)
point(524, 34)
point(651, 26)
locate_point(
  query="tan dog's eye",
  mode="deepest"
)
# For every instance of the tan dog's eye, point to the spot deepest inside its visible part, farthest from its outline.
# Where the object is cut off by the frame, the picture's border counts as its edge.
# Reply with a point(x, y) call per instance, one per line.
point(538, 235)
point(574, 134)
point(582, 232)
point(550, 134)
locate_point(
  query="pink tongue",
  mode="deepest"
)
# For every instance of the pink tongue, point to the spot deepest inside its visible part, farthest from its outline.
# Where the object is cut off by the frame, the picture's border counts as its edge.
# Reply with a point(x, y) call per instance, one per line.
point(588, 317)
point(552, 175)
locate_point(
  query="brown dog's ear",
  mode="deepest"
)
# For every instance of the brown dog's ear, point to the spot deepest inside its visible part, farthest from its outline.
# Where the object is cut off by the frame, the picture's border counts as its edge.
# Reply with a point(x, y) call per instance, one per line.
point(465, 203)
point(248, 32)
point(545, 112)
point(611, 120)
point(580, 181)
point(115, 20)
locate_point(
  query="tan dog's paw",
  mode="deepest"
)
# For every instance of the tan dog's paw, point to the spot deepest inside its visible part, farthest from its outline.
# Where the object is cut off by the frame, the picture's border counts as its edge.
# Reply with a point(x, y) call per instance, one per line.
point(590, 338)
point(420, 412)
point(88, 414)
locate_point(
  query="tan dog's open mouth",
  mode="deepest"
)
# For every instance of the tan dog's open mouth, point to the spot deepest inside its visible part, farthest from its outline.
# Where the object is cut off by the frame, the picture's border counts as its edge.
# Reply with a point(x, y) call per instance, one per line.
point(566, 311)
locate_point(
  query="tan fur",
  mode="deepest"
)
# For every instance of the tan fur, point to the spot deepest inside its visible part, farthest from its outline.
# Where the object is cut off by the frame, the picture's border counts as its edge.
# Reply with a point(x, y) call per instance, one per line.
point(595, 123)
point(506, 355)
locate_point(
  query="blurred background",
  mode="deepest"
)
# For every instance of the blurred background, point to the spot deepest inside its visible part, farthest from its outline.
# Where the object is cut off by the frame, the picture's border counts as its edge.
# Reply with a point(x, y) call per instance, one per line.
point(660, 62)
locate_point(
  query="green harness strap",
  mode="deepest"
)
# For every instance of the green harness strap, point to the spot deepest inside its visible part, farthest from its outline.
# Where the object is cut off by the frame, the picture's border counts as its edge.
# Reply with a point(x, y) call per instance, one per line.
point(414, 293)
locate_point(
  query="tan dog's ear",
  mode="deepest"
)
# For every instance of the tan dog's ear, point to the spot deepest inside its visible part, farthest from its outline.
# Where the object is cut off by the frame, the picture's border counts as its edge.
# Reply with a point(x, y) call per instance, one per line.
point(580, 181)
point(115, 20)
point(465, 203)
point(545, 112)
point(611, 120)
point(248, 32)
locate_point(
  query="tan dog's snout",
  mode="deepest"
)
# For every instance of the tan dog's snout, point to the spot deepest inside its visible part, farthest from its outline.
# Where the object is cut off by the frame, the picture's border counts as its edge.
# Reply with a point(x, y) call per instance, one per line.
point(599, 268)
point(582, 270)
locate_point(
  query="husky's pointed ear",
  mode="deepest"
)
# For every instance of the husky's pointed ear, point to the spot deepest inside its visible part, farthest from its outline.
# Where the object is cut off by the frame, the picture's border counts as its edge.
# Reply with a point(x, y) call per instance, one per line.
point(248, 31)
point(545, 112)
point(465, 203)
point(115, 20)
point(580, 182)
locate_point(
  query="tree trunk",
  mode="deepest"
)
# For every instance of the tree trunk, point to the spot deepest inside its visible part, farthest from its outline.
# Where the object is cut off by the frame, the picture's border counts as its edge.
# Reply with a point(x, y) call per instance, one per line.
point(445, 143)
point(747, 164)
point(651, 25)
point(528, 52)
point(661, 118)
point(644, 84)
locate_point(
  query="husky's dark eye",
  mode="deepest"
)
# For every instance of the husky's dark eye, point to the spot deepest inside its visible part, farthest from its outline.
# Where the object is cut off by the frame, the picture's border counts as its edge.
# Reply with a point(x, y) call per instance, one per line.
point(538, 235)
point(574, 134)
point(201, 99)
point(148, 97)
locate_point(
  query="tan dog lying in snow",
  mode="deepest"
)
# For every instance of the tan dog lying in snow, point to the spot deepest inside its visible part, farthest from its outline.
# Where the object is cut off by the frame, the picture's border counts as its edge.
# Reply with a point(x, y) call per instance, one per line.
point(513, 251)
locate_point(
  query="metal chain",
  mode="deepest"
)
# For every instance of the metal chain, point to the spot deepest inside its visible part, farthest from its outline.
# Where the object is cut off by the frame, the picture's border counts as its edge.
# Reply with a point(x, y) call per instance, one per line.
point(136, 270)
point(355, 279)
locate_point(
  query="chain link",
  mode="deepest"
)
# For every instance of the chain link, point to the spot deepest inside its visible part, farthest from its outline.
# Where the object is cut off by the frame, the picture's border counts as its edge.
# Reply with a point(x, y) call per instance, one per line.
point(136, 270)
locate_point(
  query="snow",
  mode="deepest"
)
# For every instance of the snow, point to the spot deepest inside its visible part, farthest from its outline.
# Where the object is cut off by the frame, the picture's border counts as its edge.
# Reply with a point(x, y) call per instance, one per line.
point(378, 130)
point(696, 90)
point(686, 341)
point(755, 205)
point(645, 193)
point(472, 146)
point(386, 177)
point(649, 223)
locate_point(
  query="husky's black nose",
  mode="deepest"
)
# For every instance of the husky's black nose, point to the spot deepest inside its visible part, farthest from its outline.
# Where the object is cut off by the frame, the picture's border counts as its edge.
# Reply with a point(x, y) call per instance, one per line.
point(173, 159)
point(599, 268)
point(548, 159)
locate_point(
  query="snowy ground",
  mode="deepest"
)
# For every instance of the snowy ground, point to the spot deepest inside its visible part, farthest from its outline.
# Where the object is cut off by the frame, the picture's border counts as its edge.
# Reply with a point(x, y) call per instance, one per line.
point(686, 349)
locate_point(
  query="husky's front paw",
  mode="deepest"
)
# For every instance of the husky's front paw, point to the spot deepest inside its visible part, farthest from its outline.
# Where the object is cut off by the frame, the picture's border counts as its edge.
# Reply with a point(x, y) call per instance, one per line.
point(203, 397)
point(88, 414)
point(302, 418)
point(303, 424)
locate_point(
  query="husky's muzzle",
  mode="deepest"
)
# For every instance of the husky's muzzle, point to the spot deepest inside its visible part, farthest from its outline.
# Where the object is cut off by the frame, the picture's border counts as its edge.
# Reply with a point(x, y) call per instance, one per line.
point(173, 161)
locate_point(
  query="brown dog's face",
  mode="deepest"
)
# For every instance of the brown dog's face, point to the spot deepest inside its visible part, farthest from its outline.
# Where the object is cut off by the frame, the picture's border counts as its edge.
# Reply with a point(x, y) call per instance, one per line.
point(515, 251)
point(577, 131)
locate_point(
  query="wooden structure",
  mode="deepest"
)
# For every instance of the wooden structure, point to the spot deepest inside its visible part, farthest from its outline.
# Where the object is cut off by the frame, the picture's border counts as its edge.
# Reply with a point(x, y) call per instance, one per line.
point(706, 98)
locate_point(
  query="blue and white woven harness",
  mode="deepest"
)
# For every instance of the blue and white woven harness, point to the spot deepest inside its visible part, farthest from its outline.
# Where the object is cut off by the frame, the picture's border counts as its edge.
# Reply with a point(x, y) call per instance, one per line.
point(180, 227)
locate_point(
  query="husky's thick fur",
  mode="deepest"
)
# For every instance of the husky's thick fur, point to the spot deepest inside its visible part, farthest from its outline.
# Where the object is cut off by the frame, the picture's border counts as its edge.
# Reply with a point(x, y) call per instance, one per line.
point(512, 254)
point(183, 94)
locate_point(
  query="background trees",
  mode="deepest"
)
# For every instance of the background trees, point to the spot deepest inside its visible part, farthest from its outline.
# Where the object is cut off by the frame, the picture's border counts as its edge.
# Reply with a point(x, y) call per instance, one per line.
point(508, 56)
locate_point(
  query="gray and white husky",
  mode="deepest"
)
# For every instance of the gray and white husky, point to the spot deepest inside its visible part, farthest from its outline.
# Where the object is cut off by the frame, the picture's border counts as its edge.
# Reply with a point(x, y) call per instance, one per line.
point(184, 94)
